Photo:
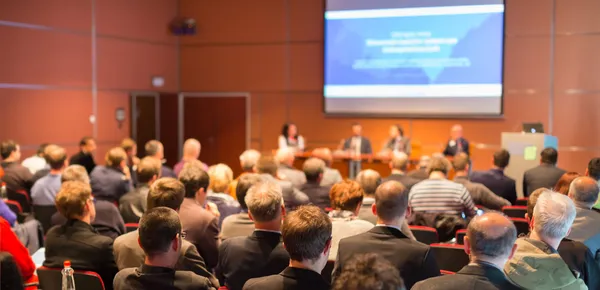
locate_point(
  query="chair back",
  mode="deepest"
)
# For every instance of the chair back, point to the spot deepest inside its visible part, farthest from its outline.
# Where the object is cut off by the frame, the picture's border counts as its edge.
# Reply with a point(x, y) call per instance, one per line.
point(460, 237)
point(51, 279)
point(9, 273)
point(522, 201)
point(450, 257)
point(444, 272)
point(522, 226)
point(515, 211)
point(425, 235)
point(44, 213)
point(21, 197)
point(328, 270)
point(130, 227)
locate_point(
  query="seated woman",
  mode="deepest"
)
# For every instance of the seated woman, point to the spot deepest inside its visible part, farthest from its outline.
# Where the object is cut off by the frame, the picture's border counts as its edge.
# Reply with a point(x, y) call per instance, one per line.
point(221, 176)
point(397, 141)
point(289, 138)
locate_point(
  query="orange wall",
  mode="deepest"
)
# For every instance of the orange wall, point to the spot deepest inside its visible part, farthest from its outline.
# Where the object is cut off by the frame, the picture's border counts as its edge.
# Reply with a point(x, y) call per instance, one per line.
point(273, 49)
point(46, 74)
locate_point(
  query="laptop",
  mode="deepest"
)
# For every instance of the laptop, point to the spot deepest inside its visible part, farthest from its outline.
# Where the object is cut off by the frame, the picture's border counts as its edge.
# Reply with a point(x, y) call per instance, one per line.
point(533, 128)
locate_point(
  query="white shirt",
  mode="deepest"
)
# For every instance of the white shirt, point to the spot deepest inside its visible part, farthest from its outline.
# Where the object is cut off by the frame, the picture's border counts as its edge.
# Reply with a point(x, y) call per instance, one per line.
point(35, 163)
point(356, 144)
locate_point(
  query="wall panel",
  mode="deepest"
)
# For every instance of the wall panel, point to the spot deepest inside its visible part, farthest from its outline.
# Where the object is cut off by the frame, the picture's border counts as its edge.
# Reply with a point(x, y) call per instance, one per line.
point(577, 16)
point(61, 14)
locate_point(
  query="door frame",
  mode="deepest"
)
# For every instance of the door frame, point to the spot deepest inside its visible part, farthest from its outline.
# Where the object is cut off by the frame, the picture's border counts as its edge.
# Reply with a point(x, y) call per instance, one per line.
point(181, 103)
point(133, 95)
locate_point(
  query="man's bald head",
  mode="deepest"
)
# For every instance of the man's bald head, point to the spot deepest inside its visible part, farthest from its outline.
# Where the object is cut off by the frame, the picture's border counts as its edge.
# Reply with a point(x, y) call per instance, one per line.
point(491, 235)
point(399, 161)
point(369, 180)
point(391, 201)
point(191, 148)
point(584, 191)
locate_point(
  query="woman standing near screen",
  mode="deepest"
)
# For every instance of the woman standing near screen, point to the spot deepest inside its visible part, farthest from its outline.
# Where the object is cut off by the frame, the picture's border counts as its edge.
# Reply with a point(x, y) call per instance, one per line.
point(289, 138)
point(397, 141)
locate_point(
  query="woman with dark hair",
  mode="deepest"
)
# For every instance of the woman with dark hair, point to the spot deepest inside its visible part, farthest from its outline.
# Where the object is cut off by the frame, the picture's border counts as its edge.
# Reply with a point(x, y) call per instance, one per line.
point(563, 184)
point(289, 138)
point(397, 141)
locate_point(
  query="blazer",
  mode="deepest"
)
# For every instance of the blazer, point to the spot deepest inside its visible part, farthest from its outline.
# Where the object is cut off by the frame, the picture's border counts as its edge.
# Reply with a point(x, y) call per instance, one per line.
point(419, 174)
point(292, 197)
point(452, 147)
point(108, 221)
point(404, 146)
point(579, 258)
point(413, 259)
point(497, 182)
point(481, 276)
point(151, 277)
point(482, 195)
point(331, 176)
point(237, 225)
point(365, 145)
point(79, 242)
point(406, 180)
point(541, 176)
point(17, 176)
point(166, 171)
point(293, 175)
point(84, 159)
point(290, 279)
point(133, 204)
point(586, 229)
point(243, 258)
point(109, 183)
point(202, 230)
point(317, 194)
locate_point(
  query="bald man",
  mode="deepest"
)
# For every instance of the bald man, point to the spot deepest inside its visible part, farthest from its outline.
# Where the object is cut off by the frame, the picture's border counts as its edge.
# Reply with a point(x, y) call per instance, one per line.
point(490, 242)
point(399, 165)
point(191, 151)
point(586, 227)
point(457, 143)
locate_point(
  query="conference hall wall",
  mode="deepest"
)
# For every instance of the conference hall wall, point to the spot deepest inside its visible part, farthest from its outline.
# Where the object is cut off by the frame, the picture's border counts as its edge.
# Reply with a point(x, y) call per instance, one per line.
point(273, 49)
point(62, 61)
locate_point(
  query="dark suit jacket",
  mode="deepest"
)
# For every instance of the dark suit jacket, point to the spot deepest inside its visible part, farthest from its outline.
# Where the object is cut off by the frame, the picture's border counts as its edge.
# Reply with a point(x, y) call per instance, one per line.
point(237, 225)
point(17, 176)
point(317, 194)
point(150, 277)
point(243, 258)
point(365, 145)
point(541, 176)
point(406, 180)
point(166, 171)
point(413, 259)
point(84, 247)
point(453, 150)
point(404, 147)
point(579, 258)
point(133, 204)
point(108, 183)
point(482, 195)
point(202, 230)
point(419, 174)
point(108, 221)
point(290, 279)
point(84, 159)
point(497, 182)
point(471, 277)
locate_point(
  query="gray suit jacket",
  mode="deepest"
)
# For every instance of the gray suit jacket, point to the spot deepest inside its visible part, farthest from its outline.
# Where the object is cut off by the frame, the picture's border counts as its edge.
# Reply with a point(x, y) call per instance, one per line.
point(481, 195)
point(586, 229)
point(404, 145)
point(202, 230)
point(293, 175)
point(237, 225)
point(292, 197)
point(331, 176)
point(541, 176)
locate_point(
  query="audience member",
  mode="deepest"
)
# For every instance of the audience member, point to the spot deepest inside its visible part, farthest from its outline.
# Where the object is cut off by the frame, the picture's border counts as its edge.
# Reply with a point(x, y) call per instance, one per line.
point(330, 176)
point(10, 243)
point(130, 147)
point(346, 198)
point(46, 170)
point(220, 178)
point(155, 149)
point(44, 190)
point(399, 165)
point(76, 240)
point(7, 214)
point(290, 138)
point(261, 253)
point(113, 180)
point(85, 157)
point(240, 225)
point(480, 194)
point(16, 176)
point(191, 151)
point(318, 195)
point(564, 183)
point(414, 260)
point(292, 197)
point(200, 225)
point(586, 226)
point(161, 238)
point(36, 162)
point(495, 180)
point(369, 272)
point(133, 204)
point(593, 171)
point(536, 264)
point(286, 171)
point(490, 243)
point(248, 161)
point(544, 175)
point(357, 144)
point(421, 172)
point(457, 142)
point(306, 235)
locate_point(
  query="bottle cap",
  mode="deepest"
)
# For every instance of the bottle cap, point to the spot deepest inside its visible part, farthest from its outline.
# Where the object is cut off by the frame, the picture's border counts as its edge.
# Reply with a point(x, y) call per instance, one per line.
point(67, 264)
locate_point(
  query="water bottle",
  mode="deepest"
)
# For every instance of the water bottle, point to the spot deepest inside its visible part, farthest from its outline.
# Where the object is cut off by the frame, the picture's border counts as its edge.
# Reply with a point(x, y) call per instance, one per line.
point(68, 281)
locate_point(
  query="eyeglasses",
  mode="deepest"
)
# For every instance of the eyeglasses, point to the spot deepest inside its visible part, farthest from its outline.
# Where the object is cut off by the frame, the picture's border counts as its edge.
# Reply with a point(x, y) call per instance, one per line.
point(183, 234)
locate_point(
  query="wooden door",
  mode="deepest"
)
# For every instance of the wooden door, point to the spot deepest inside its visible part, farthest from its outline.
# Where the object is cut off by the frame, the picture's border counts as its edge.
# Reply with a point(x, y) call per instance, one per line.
point(144, 119)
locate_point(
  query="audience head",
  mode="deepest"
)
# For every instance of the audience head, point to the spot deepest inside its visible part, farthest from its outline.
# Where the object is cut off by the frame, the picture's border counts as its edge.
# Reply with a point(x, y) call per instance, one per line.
point(87, 145)
point(248, 160)
point(369, 180)
point(391, 202)
point(491, 237)
point(10, 151)
point(265, 203)
point(306, 236)
point(456, 132)
point(532, 200)
point(593, 169)
point(369, 272)
point(191, 148)
point(160, 236)
point(129, 146)
point(356, 129)
point(74, 201)
point(461, 162)
point(549, 156)
point(148, 170)
point(313, 169)
point(155, 149)
point(245, 182)
point(266, 165)
point(116, 157)
point(439, 164)
point(553, 216)
point(323, 154)
point(584, 191)
point(424, 162)
point(41, 151)
point(195, 180)
point(56, 157)
point(399, 161)
point(167, 192)
point(346, 195)
point(285, 156)
point(220, 177)
point(396, 131)
point(75, 172)
point(563, 184)
point(289, 130)
point(501, 158)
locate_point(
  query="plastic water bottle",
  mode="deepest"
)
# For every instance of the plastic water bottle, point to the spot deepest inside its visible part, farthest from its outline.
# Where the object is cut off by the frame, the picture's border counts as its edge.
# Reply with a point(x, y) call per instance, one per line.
point(68, 281)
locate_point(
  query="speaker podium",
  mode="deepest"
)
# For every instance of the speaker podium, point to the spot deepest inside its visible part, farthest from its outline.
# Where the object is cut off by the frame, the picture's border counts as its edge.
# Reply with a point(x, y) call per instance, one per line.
point(524, 149)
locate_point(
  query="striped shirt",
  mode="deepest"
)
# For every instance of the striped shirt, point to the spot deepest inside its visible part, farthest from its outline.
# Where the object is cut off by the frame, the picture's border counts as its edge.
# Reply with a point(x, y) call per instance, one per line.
point(441, 196)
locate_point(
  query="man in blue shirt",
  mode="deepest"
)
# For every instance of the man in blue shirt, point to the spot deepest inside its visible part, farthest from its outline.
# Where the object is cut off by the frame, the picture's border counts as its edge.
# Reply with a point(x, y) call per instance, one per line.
point(45, 189)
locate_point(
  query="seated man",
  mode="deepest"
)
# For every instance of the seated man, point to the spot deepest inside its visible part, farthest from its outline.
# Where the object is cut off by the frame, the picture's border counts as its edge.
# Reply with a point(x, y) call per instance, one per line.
point(414, 260)
point(330, 176)
point(248, 161)
point(490, 242)
point(160, 237)
point(421, 172)
point(133, 204)
point(240, 225)
point(495, 180)
point(155, 149)
point(43, 192)
point(481, 195)
point(16, 176)
point(586, 226)
point(544, 175)
point(260, 254)
point(317, 194)
point(286, 171)
point(369, 272)
point(77, 240)
point(292, 197)
point(113, 180)
point(399, 165)
point(306, 234)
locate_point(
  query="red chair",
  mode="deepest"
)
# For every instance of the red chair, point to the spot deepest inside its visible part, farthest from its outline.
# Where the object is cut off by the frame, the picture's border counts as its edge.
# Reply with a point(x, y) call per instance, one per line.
point(130, 227)
point(450, 257)
point(444, 272)
point(460, 237)
point(522, 225)
point(522, 201)
point(515, 211)
point(21, 197)
point(51, 279)
point(425, 235)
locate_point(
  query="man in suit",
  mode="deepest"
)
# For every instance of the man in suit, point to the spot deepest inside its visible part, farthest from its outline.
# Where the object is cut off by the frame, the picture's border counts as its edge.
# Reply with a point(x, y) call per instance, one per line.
point(490, 242)
point(398, 165)
point(413, 259)
point(199, 223)
point(240, 224)
point(306, 234)
point(292, 197)
point(16, 176)
point(586, 226)
point(160, 236)
point(133, 204)
point(155, 149)
point(261, 253)
point(330, 176)
point(544, 175)
point(481, 195)
point(76, 240)
point(421, 172)
point(357, 144)
point(397, 141)
point(85, 157)
point(113, 180)
point(457, 143)
point(319, 195)
point(286, 171)
point(248, 161)
point(369, 272)
point(165, 192)
point(495, 180)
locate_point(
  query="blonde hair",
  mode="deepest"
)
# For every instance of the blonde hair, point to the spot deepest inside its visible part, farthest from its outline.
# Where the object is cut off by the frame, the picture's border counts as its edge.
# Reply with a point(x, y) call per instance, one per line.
point(221, 176)
point(72, 197)
point(115, 156)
